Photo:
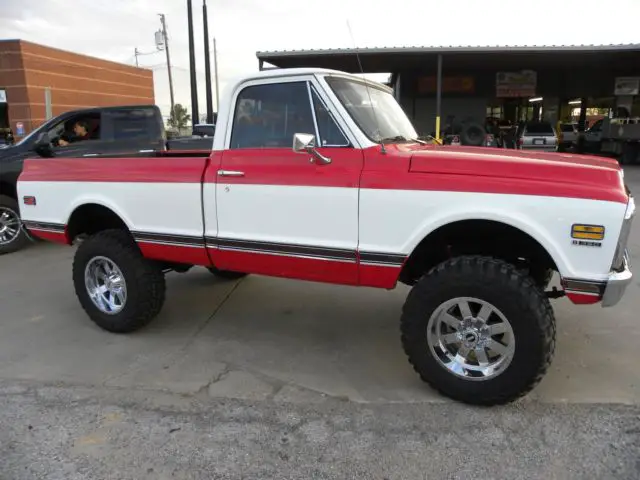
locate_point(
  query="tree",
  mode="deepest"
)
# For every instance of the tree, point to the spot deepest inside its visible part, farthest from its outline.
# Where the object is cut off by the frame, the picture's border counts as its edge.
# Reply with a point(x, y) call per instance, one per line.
point(179, 118)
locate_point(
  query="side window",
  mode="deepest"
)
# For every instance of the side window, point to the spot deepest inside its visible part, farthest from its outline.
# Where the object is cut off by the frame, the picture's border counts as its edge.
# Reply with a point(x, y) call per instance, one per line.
point(135, 124)
point(328, 129)
point(76, 129)
point(267, 116)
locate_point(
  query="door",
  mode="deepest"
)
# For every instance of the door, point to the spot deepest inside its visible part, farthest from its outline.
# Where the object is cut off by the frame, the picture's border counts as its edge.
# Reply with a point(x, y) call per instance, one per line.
point(279, 212)
point(593, 137)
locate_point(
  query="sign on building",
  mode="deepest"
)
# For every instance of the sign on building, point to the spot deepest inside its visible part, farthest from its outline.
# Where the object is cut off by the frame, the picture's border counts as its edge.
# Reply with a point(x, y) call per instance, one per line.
point(453, 84)
point(19, 129)
point(627, 86)
point(3, 96)
point(516, 84)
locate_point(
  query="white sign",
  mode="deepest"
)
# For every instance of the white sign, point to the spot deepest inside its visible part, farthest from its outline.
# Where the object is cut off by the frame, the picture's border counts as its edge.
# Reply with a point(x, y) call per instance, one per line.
point(627, 86)
point(3, 96)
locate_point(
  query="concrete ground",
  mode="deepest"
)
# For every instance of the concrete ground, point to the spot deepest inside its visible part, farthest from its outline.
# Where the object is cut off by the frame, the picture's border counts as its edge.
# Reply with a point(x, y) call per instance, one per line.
point(265, 378)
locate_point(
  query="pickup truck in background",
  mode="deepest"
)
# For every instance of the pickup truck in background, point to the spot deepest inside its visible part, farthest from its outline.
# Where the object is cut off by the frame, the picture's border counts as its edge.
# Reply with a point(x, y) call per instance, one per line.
point(615, 137)
point(316, 175)
point(122, 130)
point(201, 138)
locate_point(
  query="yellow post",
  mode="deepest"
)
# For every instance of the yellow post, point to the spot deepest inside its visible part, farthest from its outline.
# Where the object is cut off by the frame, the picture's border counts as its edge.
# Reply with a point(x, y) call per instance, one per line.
point(438, 97)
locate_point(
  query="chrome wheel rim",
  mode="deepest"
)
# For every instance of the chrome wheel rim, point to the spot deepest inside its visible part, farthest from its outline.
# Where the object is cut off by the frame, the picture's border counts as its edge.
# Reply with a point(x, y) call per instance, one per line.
point(471, 338)
point(9, 225)
point(105, 285)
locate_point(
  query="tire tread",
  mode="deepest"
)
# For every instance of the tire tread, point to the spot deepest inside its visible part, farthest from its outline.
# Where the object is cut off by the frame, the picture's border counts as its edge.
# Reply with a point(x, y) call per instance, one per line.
point(533, 300)
point(149, 282)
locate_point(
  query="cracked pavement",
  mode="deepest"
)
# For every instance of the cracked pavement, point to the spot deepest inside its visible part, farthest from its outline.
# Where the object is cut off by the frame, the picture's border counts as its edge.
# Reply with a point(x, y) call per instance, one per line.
point(271, 378)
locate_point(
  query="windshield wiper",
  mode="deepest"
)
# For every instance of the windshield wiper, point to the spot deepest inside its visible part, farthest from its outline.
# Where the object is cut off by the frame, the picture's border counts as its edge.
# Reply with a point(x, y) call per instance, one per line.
point(402, 138)
point(397, 138)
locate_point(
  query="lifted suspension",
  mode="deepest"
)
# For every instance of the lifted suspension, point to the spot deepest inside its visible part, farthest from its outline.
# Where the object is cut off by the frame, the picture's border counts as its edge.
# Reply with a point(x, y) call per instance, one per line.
point(555, 293)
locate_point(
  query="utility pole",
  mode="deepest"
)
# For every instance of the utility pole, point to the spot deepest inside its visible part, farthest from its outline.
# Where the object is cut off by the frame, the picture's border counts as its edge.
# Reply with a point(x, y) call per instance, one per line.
point(192, 67)
point(215, 66)
point(166, 49)
point(207, 62)
point(135, 54)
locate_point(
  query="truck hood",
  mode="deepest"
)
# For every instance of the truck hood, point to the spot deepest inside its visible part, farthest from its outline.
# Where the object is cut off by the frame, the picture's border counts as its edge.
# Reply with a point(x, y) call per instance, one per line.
point(593, 177)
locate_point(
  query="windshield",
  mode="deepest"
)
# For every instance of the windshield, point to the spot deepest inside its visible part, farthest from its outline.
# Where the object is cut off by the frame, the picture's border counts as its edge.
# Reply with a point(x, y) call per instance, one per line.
point(374, 110)
point(539, 128)
point(33, 133)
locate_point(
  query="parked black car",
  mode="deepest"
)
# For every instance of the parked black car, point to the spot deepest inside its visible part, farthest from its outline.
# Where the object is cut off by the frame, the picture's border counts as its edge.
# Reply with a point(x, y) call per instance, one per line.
point(110, 130)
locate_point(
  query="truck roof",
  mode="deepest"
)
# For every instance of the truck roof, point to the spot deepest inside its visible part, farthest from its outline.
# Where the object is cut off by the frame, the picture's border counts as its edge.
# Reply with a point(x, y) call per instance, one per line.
point(285, 72)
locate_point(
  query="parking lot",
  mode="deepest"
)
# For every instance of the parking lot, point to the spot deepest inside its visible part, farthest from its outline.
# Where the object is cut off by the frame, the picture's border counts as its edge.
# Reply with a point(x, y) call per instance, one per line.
point(277, 342)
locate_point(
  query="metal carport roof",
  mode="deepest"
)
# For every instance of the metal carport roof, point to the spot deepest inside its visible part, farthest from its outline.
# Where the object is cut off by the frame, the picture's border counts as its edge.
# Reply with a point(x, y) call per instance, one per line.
point(393, 59)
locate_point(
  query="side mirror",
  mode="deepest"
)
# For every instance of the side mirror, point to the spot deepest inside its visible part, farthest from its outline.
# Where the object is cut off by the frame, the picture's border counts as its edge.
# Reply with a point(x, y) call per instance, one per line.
point(306, 143)
point(42, 145)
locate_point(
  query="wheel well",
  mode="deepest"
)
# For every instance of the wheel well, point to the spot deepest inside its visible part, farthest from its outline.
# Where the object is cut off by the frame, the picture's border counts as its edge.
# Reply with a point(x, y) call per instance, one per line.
point(9, 190)
point(92, 218)
point(477, 237)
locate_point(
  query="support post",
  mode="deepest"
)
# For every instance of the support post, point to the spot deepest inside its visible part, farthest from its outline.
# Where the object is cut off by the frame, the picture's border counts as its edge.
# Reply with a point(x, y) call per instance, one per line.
point(582, 120)
point(47, 103)
point(438, 97)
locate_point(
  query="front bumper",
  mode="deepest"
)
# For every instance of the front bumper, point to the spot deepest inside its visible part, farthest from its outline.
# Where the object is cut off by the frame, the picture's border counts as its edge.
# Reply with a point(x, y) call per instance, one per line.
point(617, 284)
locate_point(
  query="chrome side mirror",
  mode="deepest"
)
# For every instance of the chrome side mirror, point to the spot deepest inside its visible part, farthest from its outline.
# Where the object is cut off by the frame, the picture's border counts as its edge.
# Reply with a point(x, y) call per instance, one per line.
point(306, 143)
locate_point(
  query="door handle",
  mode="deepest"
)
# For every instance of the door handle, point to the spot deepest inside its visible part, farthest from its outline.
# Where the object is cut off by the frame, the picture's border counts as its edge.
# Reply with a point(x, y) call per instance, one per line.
point(90, 154)
point(230, 173)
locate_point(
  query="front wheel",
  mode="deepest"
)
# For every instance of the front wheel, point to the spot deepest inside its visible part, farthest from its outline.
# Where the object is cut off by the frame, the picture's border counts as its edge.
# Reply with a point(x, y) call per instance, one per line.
point(478, 330)
point(12, 235)
point(120, 290)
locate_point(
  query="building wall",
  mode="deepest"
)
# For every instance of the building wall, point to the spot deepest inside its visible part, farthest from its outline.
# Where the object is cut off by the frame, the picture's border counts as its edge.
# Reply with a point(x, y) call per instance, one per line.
point(76, 81)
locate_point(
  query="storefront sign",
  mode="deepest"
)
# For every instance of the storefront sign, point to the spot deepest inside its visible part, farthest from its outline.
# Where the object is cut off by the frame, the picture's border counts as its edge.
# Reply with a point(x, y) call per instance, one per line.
point(460, 84)
point(3, 96)
point(627, 86)
point(516, 84)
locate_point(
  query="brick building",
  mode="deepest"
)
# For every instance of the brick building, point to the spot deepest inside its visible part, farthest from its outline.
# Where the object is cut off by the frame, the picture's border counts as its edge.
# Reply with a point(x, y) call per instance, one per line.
point(75, 81)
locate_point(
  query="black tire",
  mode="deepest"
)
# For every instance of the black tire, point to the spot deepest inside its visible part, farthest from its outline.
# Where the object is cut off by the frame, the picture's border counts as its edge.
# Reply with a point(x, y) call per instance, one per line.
point(473, 135)
point(226, 274)
point(145, 283)
point(10, 207)
point(512, 292)
point(541, 277)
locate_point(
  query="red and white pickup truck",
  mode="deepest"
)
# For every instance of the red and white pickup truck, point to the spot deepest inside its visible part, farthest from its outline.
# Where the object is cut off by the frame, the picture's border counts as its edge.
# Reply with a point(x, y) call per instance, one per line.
point(315, 175)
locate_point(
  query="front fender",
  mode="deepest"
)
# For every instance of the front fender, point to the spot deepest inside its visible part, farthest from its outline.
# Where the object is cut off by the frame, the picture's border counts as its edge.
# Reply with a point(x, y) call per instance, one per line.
point(398, 221)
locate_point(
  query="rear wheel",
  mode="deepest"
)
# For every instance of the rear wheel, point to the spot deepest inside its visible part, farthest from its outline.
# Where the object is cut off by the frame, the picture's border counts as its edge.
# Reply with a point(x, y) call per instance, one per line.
point(226, 274)
point(478, 330)
point(120, 290)
point(12, 235)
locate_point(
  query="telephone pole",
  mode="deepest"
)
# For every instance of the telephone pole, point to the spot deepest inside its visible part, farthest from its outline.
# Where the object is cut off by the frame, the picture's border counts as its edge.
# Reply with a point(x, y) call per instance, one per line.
point(166, 49)
point(195, 118)
point(207, 62)
point(215, 66)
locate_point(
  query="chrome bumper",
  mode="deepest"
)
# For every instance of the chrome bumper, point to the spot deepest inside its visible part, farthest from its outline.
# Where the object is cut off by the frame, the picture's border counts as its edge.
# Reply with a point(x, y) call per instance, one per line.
point(617, 284)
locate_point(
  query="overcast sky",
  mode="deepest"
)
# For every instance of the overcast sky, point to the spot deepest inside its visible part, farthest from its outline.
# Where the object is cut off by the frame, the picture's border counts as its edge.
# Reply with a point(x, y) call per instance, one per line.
point(112, 29)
